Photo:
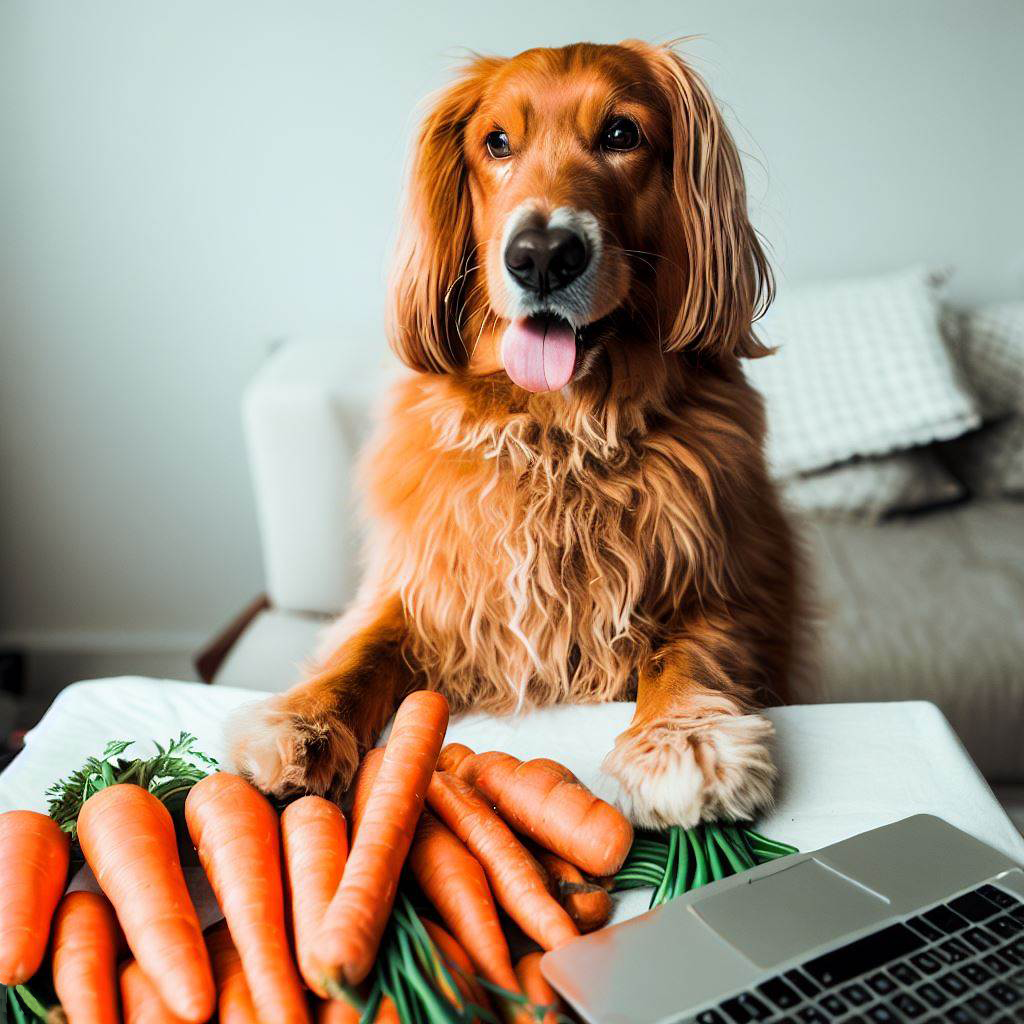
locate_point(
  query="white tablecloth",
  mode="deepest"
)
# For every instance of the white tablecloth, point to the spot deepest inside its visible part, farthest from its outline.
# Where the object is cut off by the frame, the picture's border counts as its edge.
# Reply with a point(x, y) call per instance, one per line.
point(844, 768)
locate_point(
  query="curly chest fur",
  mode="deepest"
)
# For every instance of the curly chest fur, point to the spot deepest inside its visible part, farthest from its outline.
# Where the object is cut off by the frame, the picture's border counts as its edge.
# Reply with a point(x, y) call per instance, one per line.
point(536, 570)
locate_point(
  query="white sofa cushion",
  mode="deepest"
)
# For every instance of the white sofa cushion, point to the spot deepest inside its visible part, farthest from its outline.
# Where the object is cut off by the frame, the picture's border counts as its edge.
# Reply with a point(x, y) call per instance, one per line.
point(861, 370)
point(307, 412)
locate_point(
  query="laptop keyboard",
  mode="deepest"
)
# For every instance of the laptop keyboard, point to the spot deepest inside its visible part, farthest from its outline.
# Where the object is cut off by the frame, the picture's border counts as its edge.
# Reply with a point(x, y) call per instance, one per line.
point(961, 961)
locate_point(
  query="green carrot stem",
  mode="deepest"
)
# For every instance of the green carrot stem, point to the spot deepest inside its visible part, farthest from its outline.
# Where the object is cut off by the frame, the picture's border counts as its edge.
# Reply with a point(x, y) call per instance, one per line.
point(700, 870)
point(684, 863)
point(659, 894)
point(736, 862)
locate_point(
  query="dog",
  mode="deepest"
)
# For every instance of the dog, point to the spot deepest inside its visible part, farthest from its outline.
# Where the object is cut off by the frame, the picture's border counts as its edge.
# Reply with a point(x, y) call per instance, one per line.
point(568, 499)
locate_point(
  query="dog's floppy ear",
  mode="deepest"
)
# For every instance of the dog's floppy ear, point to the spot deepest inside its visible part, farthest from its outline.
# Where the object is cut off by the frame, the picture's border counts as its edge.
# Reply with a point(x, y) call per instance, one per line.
point(728, 281)
point(431, 271)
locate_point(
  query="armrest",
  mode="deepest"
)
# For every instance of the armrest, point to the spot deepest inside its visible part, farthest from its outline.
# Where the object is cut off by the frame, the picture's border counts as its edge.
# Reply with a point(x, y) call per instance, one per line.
point(306, 413)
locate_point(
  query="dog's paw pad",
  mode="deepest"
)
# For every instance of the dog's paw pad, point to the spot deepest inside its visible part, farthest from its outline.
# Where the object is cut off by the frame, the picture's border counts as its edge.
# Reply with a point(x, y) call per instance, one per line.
point(681, 772)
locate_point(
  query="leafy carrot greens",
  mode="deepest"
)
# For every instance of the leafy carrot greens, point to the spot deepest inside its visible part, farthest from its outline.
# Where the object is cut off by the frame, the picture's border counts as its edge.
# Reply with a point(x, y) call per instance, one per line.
point(168, 775)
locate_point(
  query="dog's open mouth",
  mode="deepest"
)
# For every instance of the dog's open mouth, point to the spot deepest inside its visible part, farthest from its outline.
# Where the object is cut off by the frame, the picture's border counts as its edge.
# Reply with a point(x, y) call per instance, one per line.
point(539, 353)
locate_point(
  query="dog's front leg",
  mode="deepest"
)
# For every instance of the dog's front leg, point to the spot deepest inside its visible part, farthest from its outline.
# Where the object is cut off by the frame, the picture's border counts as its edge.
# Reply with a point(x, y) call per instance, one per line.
point(695, 750)
point(310, 738)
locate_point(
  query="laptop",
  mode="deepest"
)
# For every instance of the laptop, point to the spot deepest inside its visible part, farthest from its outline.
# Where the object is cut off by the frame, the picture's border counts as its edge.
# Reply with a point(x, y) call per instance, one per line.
point(916, 921)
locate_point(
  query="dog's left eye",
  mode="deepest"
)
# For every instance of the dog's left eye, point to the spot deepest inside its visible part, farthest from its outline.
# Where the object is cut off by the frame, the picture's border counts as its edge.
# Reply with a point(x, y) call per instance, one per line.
point(498, 145)
point(620, 134)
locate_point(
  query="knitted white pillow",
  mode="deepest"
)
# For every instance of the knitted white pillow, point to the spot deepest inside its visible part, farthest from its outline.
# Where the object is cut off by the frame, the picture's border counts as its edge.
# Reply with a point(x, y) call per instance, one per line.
point(861, 370)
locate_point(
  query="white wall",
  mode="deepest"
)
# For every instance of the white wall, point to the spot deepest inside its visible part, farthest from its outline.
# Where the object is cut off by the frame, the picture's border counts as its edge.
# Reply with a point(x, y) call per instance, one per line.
point(183, 182)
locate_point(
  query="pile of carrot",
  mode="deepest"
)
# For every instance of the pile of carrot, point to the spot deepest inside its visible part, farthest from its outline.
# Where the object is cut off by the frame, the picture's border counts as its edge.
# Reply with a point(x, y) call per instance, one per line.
point(326, 917)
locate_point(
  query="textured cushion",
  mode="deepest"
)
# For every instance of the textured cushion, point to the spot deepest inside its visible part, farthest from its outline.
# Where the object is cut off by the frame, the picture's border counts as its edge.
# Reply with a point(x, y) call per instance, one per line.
point(862, 369)
point(930, 607)
point(989, 348)
point(866, 490)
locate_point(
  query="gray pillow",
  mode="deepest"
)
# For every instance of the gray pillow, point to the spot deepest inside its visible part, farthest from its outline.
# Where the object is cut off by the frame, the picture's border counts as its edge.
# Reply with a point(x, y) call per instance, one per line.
point(988, 346)
point(867, 490)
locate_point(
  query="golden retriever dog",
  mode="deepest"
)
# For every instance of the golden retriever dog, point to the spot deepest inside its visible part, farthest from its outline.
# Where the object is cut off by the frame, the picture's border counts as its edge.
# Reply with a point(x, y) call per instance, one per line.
point(567, 499)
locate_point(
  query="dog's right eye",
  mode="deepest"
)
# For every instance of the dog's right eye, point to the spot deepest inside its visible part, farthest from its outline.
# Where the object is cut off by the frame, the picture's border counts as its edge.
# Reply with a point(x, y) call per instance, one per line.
point(497, 145)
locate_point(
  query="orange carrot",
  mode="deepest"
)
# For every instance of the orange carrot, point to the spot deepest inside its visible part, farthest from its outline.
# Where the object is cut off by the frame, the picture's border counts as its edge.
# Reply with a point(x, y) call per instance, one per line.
point(453, 880)
point(127, 836)
point(236, 834)
point(387, 1012)
point(459, 967)
point(234, 1002)
point(362, 784)
point(337, 1011)
point(517, 880)
point(589, 905)
point(140, 999)
point(452, 756)
point(315, 846)
point(85, 941)
point(536, 986)
point(545, 801)
point(33, 870)
point(355, 920)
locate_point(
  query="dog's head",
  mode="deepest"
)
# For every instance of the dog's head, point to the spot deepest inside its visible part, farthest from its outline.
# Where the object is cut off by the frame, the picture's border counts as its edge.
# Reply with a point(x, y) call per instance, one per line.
point(556, 193)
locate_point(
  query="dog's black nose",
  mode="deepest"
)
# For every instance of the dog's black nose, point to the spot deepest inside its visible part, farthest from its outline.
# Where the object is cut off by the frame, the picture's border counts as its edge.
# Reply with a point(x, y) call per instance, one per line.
point(546, 259)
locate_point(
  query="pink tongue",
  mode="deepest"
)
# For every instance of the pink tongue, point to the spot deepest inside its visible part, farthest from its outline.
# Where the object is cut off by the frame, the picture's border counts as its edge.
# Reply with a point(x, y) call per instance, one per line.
point(539, 355)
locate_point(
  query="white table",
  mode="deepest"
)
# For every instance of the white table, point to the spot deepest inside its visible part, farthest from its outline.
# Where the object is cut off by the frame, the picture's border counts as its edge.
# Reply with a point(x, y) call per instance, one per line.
point(844, 768)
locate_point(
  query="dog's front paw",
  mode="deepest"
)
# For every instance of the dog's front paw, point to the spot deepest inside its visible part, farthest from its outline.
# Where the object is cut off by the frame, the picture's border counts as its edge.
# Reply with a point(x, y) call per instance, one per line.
point(680, 771)
point(283, 751)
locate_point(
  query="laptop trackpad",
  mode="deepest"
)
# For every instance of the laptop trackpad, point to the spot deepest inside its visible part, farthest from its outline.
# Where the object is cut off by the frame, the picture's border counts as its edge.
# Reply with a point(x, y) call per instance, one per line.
point(788, 913)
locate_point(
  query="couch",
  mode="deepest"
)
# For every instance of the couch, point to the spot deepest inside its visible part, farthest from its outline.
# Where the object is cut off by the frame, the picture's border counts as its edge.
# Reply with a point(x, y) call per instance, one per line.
point(928, 605)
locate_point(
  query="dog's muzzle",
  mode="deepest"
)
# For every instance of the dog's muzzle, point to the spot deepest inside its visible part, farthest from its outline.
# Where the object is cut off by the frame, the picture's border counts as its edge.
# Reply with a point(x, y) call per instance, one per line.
point(545, 259)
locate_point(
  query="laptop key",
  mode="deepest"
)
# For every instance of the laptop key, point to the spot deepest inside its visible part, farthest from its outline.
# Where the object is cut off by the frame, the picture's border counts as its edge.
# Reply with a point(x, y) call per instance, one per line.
point(953, 984)
point(1005, 994)
point(710, 1017)
point(980, 940)
point(756, 1010)
point(856, 994)
point(904, 973)
point(812, 1015)
point(1000, 897)
point(926, 962)
point(779, 994)
point(996, 964)
point(881, 984)
point(960, 1015)
point(799, 980)
point(982, 1006)
point(862, 955)
point(924, 929)
point(976, 974)
point(1018, 914)
point(945, 920)
point(1005, 927)
point(832, 1004)
point(931, 994)
point(910, 1007)
point(974, 907)
point(734, 1011)
point(881, 1014)
point(953, 951)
